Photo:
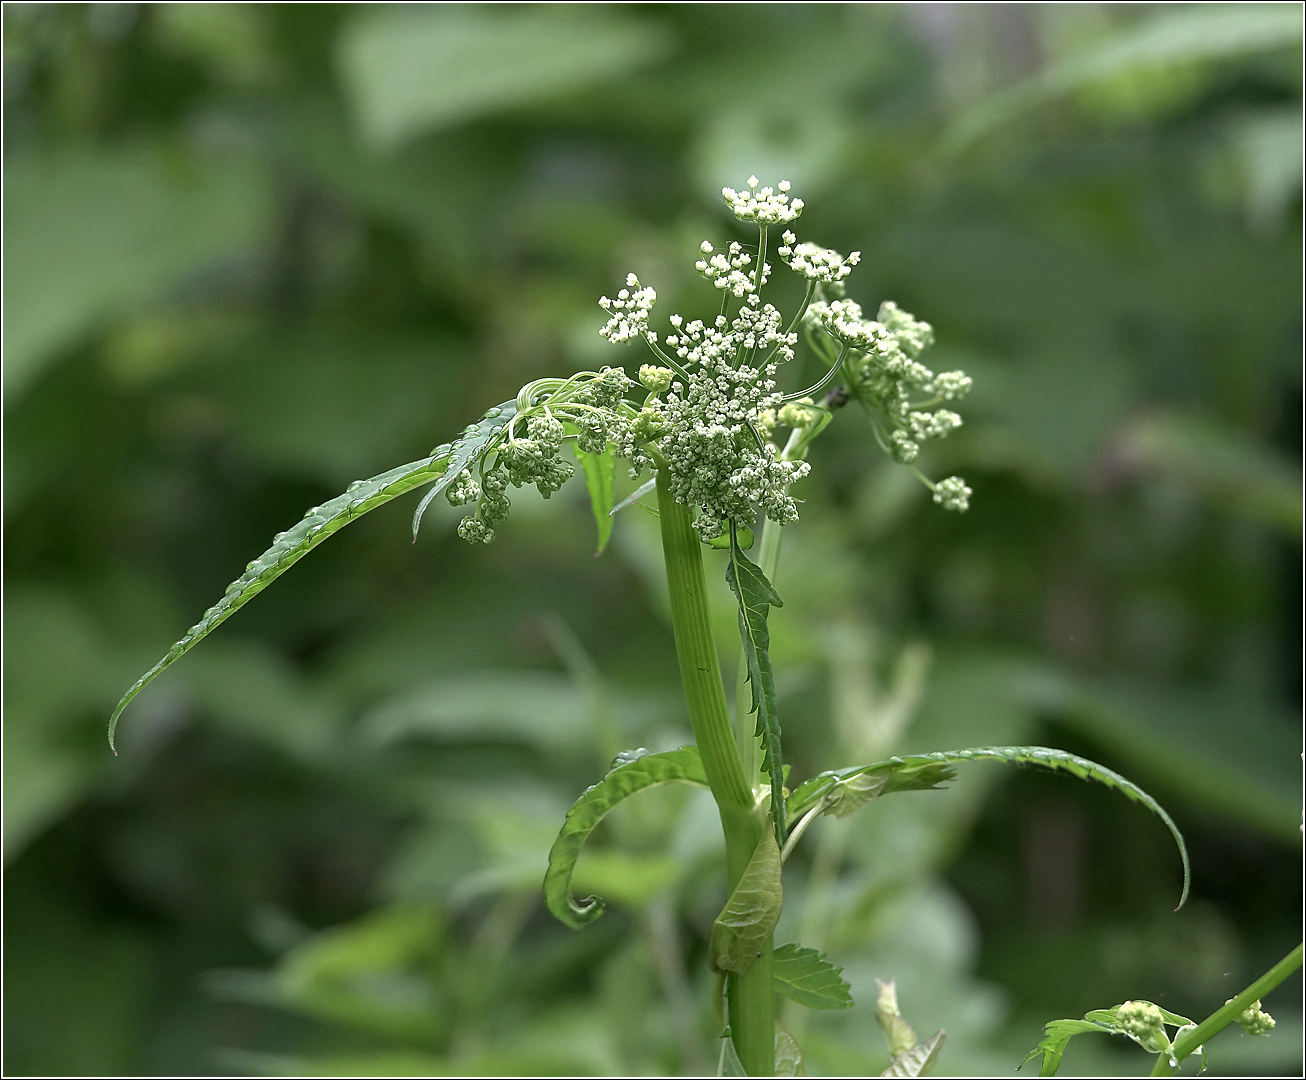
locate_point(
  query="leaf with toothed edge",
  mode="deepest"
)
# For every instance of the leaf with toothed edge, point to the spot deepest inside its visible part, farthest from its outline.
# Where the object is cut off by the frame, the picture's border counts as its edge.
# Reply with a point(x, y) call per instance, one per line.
point(807, 977)
point(631, 772)
point(756, 596)
point(442, 466)
point(830, 790)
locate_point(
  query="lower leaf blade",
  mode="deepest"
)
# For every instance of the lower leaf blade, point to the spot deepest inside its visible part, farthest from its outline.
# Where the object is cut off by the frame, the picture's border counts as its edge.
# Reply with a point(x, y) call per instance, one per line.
point(630, 774)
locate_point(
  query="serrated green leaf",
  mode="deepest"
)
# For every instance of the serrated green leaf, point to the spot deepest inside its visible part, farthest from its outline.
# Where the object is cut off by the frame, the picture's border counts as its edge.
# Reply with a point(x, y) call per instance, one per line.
point(745, 923)
point(624, 780)
point(910, 773)
point(443, 464)
point(788, 1058)
point(919, 1060)
point(599, 469)
point(756, 595)
point(1056, 1033)
point(807, 977)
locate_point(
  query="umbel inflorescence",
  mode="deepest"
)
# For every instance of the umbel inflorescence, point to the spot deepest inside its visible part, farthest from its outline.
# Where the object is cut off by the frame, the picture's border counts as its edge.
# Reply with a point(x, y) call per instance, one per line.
point(712, 408)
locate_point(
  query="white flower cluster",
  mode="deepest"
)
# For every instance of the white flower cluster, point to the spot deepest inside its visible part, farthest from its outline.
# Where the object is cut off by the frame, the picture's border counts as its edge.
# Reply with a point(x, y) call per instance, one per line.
point(894, 381)
point(628, 313)
point(770, 206)
point(725, 270)
point(815, 262)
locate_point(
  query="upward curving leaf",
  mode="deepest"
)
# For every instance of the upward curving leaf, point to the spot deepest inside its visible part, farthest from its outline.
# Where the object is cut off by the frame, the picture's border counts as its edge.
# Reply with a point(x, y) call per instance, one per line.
point(756, 595)
point(631, 772)
point(442, 465)
point(844, 791)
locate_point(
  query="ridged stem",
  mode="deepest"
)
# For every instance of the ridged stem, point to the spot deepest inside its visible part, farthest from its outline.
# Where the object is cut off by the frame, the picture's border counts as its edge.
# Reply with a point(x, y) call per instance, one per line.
point(751, 996)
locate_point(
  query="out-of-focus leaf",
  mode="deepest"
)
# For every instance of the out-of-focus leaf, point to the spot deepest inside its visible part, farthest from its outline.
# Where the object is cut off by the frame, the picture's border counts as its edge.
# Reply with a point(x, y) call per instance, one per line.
point(898, 1034)
point(599, 470)
point(630, 879)
point(1219, 465)
point(374, 974)
point(745, 923)
point(919, 1060)
point(1222, 752)
point(444, 464)
point(1177, 37)
point(93, 233)
point(627, 777)
point(756, 596)
point(788, 1058)
point(536, 707)
point(1269, 142)
point(807, 977)
point(825, 788)
point(409, 71)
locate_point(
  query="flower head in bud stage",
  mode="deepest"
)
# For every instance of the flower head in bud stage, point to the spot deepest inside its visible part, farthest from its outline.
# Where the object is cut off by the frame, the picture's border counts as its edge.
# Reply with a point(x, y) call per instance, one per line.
point(1145, 1024)
point(815, 262)
point(1254, 1020)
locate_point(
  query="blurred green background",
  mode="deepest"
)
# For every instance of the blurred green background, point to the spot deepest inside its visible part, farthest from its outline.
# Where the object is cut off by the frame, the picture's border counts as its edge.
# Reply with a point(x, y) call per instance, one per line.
point(253, 252)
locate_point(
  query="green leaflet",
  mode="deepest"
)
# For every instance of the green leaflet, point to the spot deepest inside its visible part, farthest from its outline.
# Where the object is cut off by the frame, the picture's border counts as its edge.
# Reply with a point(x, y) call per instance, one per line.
point(443, 464)
point(730, 1065)
point(631, 772)
point(1056, 1033)
point(745, 923)
point(807, 977)
point(756, 595)
point(599, 469)
point(919, 1060)
point(912, 772)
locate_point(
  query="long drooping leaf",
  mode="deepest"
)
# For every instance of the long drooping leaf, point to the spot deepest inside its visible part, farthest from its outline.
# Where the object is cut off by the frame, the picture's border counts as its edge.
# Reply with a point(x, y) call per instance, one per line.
point(443, 465)
point(756, 595)
point(599, 469)
point(630, 774)
point(745, 923)
point(807, 977)
point(835, 791)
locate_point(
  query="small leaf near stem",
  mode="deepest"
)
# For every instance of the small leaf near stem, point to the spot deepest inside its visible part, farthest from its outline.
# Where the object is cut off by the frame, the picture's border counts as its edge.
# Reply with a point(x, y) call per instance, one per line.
point(745, 923)
point(756, 595)
point(807, 977)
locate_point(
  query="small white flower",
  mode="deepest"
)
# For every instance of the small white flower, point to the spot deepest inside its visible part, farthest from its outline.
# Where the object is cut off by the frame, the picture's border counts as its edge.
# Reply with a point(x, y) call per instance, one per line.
point(952, 494)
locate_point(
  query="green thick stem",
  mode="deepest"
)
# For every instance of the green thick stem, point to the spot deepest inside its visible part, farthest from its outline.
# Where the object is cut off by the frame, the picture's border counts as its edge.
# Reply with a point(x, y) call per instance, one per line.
point(751, 997)
point(1190, 1041)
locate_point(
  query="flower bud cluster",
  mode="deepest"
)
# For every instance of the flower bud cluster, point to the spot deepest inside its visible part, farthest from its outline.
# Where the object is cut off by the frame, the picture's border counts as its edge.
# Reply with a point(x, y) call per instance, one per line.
point(815, 262)
point(765, 207)
point(1145, 1024)
point(628, 313)
point(1254, 1020)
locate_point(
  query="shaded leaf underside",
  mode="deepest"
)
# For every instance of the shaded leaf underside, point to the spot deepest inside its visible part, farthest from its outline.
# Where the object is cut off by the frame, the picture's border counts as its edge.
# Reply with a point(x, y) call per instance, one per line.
point(442, 466)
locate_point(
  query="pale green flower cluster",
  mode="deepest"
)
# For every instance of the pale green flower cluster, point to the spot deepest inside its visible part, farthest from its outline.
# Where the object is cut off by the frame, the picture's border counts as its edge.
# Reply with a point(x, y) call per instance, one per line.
point(1145, 1024)
point(1254, 1020)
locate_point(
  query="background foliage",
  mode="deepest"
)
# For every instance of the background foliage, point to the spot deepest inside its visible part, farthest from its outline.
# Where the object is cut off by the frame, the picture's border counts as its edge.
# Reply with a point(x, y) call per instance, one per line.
point(253, 252)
